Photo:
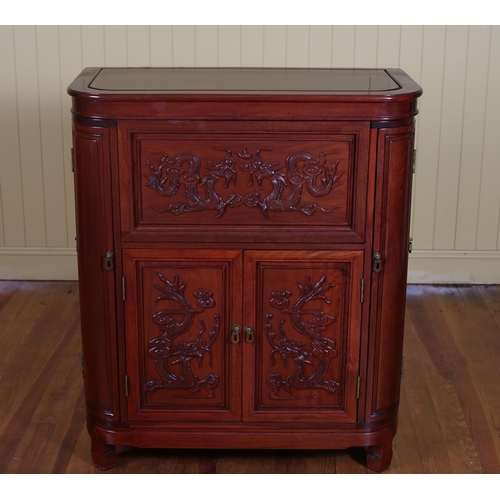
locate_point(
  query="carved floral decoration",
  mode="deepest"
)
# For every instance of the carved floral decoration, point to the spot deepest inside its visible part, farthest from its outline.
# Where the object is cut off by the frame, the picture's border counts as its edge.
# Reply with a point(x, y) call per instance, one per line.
point(169, 354)
point(318, 353)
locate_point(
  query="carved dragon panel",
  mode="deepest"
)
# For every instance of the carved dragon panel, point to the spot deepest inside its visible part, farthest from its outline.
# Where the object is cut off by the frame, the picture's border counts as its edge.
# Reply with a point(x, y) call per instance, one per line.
point(203, 182)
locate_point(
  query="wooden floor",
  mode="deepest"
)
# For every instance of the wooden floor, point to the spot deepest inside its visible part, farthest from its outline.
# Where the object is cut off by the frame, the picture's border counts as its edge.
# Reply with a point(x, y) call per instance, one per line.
point(449, 410)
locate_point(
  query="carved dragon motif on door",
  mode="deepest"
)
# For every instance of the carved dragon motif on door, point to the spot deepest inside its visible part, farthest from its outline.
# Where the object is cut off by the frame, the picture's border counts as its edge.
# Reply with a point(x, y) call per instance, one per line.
point(167, 354)
point(318, 176)
point(322, 349)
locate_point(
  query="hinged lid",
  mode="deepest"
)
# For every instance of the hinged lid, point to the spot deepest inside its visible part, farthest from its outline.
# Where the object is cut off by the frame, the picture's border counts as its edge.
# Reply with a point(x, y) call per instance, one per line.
point(244, 81)
point(312, 94)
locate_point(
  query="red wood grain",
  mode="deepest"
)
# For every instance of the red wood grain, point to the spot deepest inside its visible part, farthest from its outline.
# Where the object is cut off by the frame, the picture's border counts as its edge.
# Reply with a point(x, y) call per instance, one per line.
point(246, 197)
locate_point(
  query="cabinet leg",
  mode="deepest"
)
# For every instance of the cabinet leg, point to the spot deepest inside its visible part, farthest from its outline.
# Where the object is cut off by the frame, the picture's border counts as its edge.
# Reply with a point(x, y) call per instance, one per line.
point(378, 457)
point(103, 455)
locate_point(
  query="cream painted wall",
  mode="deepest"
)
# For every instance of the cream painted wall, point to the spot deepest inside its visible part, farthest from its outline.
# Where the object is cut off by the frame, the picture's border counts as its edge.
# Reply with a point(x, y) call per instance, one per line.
point(456, 204)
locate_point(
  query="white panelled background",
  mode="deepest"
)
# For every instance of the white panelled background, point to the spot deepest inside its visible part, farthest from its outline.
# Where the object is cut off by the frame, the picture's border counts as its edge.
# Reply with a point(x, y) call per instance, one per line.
point(456, 204)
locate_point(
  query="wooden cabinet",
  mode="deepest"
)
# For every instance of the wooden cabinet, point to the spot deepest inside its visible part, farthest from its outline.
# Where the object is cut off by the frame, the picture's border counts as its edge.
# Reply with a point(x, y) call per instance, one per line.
point(242, 247)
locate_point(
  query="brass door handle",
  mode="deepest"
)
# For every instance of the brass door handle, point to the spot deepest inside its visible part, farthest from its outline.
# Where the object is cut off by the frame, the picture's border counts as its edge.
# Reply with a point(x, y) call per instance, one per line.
point(249, 334)
point(235, 334)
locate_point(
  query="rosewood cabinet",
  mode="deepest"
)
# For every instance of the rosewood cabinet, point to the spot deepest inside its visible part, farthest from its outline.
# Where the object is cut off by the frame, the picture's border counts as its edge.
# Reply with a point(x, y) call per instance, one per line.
point(242, 248)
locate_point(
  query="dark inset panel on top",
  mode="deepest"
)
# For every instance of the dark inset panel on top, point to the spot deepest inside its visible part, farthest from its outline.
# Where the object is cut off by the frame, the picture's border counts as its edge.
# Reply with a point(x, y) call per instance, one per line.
point(244, 80)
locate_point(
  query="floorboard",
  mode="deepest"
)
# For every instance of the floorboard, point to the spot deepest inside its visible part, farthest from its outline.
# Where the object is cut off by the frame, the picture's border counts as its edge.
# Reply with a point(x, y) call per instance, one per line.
point(449, 409)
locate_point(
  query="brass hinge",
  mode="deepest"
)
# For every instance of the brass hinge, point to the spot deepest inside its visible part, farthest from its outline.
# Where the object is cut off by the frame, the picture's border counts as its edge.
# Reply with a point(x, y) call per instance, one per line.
point(358, 384)
point(124, 294)
point(362, 290)
point(402, 366)
point(414, 164)
point(126, 385)
point(72, 161)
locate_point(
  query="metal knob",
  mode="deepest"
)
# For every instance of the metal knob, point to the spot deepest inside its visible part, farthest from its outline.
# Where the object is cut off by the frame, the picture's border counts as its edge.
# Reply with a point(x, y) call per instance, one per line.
point(235, 334)
point(249, 334)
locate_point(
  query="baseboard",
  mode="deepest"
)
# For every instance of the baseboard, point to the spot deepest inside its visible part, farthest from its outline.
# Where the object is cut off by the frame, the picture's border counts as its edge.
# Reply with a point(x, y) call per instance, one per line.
point(454, 267)
point(38, 263)
point(431, 267)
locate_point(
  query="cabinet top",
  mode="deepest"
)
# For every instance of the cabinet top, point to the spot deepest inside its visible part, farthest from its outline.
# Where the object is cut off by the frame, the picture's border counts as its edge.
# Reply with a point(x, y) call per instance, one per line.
point(230, 81)
point(319, 93)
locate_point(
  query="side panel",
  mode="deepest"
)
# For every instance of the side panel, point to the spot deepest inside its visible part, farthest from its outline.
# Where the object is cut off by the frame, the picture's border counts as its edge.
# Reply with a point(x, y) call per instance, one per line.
point(392, 214)
point(91, 150)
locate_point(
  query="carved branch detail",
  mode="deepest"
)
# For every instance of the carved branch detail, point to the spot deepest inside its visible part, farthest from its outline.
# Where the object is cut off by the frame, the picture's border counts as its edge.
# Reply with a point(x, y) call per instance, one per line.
point(310, 323)
point(316, 175)
point(167, 354)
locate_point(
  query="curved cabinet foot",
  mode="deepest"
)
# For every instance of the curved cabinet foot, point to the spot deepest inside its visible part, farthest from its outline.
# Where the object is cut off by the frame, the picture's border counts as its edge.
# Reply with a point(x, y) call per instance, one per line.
point(379, 456)
point(103, 455)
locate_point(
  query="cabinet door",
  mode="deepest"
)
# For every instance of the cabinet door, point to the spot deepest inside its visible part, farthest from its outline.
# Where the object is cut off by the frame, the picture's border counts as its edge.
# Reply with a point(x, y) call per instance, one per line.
point(180, 306)
point(243, 181)
point(305, 309)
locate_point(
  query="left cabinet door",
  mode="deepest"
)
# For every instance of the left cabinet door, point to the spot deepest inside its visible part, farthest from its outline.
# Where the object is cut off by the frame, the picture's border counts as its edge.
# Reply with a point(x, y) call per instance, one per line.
point(182, 361)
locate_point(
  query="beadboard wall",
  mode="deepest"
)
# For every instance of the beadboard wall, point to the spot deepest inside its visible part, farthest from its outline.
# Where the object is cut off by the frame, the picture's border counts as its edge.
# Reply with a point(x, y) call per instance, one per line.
point(456, 203)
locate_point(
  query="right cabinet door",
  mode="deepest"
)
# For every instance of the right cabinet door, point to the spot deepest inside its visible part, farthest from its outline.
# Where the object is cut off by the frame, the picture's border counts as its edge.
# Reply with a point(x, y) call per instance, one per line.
point(302, 363)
